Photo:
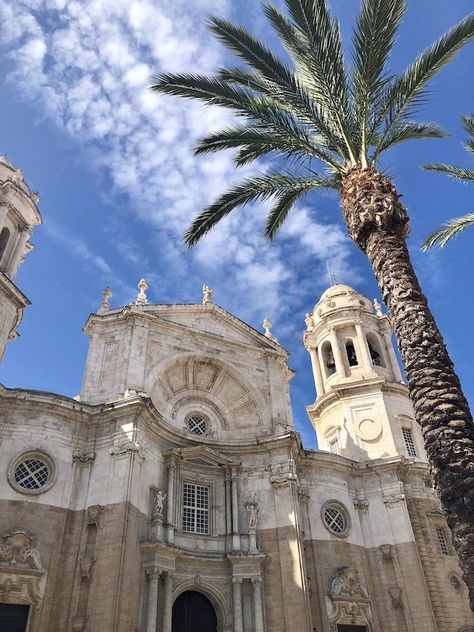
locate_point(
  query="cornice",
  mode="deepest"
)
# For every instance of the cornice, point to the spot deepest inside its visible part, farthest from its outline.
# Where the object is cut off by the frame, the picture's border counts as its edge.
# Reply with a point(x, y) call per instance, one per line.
point(9, 287)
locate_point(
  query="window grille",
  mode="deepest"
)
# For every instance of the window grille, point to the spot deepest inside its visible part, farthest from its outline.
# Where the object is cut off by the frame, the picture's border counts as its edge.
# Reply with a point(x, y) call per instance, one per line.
point(31, 474)
point(335, 520)
point(442, 541)
point(195, 508)
point(409, 443)
point(197, 424)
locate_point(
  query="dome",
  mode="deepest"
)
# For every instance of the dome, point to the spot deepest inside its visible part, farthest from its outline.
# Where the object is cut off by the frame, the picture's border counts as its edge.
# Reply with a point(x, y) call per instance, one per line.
point(338, 297)
point(337, 290)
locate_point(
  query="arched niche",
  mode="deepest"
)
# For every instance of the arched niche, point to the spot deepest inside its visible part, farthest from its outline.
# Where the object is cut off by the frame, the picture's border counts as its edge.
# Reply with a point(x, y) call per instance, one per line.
point(190, 383)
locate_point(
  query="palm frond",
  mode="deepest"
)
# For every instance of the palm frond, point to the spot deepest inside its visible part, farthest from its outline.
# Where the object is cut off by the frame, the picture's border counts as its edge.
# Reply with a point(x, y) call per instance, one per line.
point(458, 173)
point(410, 130)
point(259, 188)
point(373, 40)
point(451, 229)
point(468, 124)
point(322, 65)
point(409, 89)
point(257, 142)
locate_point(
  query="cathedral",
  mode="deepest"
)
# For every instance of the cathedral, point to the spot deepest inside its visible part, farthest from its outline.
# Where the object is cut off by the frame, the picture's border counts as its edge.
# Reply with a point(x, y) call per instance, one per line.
point(174, 494)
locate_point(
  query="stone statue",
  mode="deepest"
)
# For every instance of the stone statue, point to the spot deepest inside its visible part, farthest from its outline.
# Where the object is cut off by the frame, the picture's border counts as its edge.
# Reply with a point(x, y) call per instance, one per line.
point(377, 308)
point(206, 294)
point(309, 320)
point(346, 585)
point(158, 502)
point(252, 510)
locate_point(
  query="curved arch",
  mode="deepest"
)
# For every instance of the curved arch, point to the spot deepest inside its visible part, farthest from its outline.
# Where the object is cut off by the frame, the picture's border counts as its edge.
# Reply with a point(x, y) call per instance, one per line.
point(216, 596)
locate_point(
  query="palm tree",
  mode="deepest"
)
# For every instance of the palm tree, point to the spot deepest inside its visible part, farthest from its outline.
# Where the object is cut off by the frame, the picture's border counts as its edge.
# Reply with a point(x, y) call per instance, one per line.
point(309, 107)
point(455, 226)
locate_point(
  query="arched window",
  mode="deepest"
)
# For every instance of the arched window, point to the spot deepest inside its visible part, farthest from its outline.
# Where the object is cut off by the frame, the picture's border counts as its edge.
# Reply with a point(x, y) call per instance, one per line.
point(4, 237)
point(328, 359)
point(351, 353)
point(375, 350)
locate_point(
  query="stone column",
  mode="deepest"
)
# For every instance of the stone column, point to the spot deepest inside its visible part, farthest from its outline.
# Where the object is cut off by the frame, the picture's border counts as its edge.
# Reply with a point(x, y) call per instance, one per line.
point(237, 603)
point(235, 512)
point(336, 349)
point(170, 501)
point(387, 336)
point(257, 604)
point(317, 375)
point(152, 609)
point(228, 503)
point(167, 601)
point(366, 359)
point(19, 251)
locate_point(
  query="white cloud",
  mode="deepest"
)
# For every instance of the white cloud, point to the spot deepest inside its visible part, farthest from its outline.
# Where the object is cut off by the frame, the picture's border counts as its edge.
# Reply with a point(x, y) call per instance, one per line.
point(88, 66)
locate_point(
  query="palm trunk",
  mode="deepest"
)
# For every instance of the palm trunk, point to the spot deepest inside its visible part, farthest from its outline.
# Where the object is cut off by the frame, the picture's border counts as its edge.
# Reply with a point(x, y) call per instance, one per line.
point(378, 224)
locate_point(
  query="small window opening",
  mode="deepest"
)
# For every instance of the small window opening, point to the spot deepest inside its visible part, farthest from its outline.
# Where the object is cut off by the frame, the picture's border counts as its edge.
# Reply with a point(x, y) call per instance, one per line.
point(4, 237)
point(335, 445)
point(351, 354)
point(409, 443)
point(442, 541)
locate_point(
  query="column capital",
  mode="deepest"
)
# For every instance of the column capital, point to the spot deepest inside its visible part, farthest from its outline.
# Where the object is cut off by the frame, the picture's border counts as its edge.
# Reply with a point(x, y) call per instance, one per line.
point(237, 580)
point(153, 572)
point(256, 581)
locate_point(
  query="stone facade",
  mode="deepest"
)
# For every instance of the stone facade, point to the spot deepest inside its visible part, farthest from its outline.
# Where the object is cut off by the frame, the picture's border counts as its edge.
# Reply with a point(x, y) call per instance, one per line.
point(178, 472)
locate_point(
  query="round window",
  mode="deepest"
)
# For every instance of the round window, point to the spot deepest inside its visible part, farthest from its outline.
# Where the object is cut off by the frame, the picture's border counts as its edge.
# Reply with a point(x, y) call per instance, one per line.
point(336, 518)
point(31, 472)
point(197, 424)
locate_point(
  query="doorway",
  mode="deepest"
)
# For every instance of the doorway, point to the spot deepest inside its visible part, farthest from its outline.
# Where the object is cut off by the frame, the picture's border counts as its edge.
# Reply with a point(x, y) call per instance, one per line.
point(352, 628)
point(13, 617)
point(193, 612)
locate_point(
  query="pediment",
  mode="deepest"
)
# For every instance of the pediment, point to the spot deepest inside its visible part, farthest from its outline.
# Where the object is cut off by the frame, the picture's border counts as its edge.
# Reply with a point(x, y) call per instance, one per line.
point(203, 455)
point(214, 320)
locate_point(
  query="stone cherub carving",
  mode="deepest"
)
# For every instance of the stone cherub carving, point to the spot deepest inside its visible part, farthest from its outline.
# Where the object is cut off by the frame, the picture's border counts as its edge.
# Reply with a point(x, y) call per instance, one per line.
point(17, 549)
point(158, 502)
point(346, 585)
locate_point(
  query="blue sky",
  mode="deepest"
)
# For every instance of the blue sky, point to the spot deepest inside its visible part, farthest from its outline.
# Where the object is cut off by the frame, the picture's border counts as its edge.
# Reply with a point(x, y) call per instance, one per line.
point(118, 183)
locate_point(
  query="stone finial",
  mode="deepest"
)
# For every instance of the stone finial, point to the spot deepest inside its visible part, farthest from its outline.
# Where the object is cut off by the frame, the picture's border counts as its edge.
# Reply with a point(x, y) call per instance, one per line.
point(35, 196)
point(309, 320)
point(377, 308)
point(105, 305)
point(141, 298)
point(268, 334)
point(206, 294)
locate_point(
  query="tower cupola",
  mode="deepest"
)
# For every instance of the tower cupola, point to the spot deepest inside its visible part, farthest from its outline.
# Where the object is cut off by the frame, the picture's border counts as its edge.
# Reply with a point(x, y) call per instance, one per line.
point(362, 404)
point(18, 215)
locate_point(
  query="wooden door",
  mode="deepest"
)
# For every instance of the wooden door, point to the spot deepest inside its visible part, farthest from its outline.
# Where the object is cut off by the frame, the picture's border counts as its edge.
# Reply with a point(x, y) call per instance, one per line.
point(193, 612)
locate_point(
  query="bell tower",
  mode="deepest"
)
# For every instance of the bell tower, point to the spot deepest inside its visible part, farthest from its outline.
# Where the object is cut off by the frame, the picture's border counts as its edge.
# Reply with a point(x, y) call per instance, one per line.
point(18, 214)
point(362, 410)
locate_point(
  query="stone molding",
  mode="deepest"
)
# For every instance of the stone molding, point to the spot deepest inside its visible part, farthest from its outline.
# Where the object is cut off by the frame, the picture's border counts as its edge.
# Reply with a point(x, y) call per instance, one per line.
point(131, 447)
point(393, 499)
